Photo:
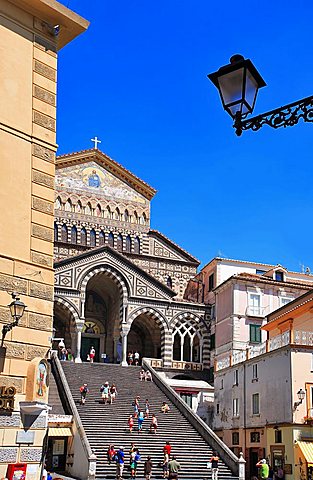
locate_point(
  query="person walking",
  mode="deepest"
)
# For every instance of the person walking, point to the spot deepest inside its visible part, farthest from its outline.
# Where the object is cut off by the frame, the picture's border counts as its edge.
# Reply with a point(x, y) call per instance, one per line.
point(153, 424)
point(147, 468)
point(84, 390)
point(111, 452)
point(136, 357)
point(166, 459)
point(140, 420)
point(120, 456)
point(147, 408)
point(92, 354)
point(167, 448)
point(113, 393)
point(173, 468)
point(136, 406)
point(263, 469)
point(130, 423)
point(134, 459)
point(214, 465)
point(104, 389)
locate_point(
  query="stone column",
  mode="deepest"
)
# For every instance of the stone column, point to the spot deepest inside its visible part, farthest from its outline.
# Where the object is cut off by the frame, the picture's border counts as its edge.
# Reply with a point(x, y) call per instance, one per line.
point(241, 467)
point(124, 350)
point(79, 342)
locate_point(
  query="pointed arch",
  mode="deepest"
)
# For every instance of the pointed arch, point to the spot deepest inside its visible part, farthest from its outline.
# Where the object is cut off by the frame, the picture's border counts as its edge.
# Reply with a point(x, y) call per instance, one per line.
point(79, 207)
point(83, 236)
point(92, 238)
point(135, 217)
point(126, 216)
point(68, 205)
point(136, 245)
point(73, 234)
point(128, 244)
point(117, 214)
point(119, 243)
point(58, 203)
point(101, 238)
point(111, 240)
point(108, 212)
point(64, 237)
point(98, 210)
point(144, 218)
point(88, 209)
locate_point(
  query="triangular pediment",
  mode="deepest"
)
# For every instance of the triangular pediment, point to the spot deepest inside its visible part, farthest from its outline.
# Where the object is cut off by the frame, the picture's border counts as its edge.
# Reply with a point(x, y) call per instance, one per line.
point(93, 172)
point(69, 273)
point(161, 246)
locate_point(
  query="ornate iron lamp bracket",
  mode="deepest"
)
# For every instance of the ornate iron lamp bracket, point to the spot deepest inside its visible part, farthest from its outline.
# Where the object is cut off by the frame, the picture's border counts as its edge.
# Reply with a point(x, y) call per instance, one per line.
point(285, 116)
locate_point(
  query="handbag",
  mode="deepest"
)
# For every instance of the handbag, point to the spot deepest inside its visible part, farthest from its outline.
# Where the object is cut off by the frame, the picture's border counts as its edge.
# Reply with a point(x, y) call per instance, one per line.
point(209, 465)
point(88, 357)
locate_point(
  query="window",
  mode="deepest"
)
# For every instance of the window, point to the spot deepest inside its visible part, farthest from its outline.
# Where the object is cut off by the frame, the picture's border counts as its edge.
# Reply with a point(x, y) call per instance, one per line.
point(187, 342)
point(88, 209)
point(136, 245)
point(101, 238)
point(254, 304)
point(217, 409)
point(212, 341)
point(236, 377)
point(79, 207)
point(58, 204)
point(260, 272)
point(187, 397)
point(235, 438)
point(73, 234)
point(255, 404)
point(111, 239)
point(255, 333)
point(279, 276)
point(98, 210)
point(126, 216)
point(211, 282)
point(128, 244)
point(68, 206)
point(285, 300)
point(83, 236)
point(255, 371)
point(278, 436)
point(119, 243)
point(255, 437)
point(92, 238)
point(64, 233)
point(235, 407)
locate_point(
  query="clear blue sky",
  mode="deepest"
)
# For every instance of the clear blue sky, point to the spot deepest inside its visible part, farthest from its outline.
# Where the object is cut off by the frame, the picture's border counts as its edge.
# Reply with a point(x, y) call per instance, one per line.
point(137, 80)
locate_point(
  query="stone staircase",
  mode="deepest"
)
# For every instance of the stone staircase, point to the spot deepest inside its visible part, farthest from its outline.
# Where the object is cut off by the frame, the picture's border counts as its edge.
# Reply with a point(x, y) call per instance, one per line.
point(107, 424)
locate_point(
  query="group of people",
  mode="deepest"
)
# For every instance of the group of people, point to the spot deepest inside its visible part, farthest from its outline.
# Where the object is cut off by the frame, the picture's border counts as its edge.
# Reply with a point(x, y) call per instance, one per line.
point(169, 466)
point(108, 393)
point(66, 354)
point(133, 358)
point(140, 414)
point(145, 375)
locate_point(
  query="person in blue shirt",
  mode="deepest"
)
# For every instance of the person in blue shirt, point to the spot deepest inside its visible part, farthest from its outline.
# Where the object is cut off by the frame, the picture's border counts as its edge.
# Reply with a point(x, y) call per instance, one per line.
point(120, 456)
point(140, 420)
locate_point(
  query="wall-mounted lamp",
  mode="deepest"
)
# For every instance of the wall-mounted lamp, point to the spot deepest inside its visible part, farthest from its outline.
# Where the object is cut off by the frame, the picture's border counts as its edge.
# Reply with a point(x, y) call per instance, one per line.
point(301, 395)
point(17, 308)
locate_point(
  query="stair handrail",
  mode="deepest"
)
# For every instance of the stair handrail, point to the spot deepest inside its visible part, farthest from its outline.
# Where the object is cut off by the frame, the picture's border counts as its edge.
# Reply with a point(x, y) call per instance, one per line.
point(71, 403)
point(229, 458)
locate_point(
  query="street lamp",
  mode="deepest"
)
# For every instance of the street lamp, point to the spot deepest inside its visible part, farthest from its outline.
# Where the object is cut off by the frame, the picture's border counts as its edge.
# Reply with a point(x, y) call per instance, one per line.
point(17, 309)
point(238, 84)
point(301, 395)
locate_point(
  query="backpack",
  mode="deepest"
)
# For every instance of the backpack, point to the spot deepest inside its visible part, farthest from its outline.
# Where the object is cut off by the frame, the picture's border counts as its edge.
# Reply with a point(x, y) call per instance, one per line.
point(137, 457)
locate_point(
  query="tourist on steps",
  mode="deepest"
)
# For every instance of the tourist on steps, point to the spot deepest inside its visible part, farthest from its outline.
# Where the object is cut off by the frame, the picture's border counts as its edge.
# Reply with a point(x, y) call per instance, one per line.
point(104, 390)
point(136, 406)
point(134, 459)
point(165, 465)
point(153, 424)
point(83, 393)
point(148, 376)
point(92, 354)
point(165, 408)
point(147, 408)
point(111, 452)
point(119, 457)
point(140, 420)
point(130, 358)
point(131, 423)
point(214, 465)
point(142, 375)
point(173, 468)
point(147, 468)
point(113, 393)
point(136, 358)
point(167, 448)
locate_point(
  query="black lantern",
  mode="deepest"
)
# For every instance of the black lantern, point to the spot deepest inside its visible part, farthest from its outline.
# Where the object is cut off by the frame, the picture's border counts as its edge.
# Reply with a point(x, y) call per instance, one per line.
point(238, 84)
point(301, 395)
point(17, 307)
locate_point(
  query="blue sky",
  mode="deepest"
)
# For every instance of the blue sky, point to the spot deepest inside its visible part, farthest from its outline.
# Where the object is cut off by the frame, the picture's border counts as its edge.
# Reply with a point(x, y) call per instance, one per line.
point(137, 80)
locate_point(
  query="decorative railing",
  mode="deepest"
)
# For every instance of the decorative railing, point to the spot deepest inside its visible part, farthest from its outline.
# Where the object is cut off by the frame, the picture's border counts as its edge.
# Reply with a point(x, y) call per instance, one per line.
point(186, 365)
point(296, 337)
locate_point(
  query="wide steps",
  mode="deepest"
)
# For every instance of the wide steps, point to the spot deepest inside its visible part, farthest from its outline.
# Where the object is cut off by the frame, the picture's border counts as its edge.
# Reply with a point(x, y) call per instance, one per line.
point(107, 424)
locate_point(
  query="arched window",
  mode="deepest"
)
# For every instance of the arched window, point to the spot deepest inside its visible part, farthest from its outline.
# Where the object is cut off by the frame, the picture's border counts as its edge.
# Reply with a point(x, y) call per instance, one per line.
point(169, 282)
point(101, 238)
point(117, 214)
point(88, 209)
point(128, 244)
point(98, 210)
point(83, 236)
point(187, 343)
point(108, 212)
point(68, 205)
point(64, 233)
point(56, 232)
point(119, 243)
point(74, 234)
point(135, 217)
point(144, 219)
point(136, 245)
point(58, 204)
point(92, 238)
point(126, 216)
point(78, 207)
point(111, 239)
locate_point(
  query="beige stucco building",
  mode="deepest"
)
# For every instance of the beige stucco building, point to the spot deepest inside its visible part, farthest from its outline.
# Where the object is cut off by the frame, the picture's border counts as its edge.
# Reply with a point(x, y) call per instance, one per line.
point(31, 33)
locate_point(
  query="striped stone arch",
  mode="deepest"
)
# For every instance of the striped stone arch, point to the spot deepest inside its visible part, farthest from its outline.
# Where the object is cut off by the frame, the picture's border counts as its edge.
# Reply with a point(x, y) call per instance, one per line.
point(110, 272)
point(68, 306)
point(159, 319)
point(193, 319)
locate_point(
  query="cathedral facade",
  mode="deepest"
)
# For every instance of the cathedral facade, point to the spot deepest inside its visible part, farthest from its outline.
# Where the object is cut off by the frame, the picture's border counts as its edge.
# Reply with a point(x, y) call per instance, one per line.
point(119, 285)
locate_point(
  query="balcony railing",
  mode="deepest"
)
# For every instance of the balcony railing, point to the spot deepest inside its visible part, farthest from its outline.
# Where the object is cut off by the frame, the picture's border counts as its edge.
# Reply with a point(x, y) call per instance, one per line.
point(297, 337)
